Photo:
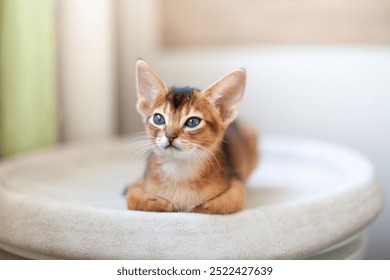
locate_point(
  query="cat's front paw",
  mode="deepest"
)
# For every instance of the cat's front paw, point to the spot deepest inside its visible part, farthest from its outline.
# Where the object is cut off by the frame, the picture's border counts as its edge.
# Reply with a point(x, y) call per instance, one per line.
point(151, 204)
point(158, 205)
point(202, 208)
point(138, 199)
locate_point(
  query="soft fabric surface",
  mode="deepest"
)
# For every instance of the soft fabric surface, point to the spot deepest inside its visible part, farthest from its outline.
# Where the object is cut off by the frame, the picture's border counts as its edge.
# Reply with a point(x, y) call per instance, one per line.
point(67, 203)
point(4, 255)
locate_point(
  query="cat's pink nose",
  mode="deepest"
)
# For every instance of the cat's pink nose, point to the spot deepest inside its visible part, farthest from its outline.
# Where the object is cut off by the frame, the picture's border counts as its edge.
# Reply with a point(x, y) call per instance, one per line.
point(171, 135)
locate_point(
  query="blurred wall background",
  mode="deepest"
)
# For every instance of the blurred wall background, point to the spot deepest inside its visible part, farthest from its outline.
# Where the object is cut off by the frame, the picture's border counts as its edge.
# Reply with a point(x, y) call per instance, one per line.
point(86, 69)
point(315, 68)
point(27, 103)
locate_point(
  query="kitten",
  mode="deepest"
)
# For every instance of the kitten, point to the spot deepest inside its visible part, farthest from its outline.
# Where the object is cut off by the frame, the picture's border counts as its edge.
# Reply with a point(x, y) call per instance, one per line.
point(200, 158)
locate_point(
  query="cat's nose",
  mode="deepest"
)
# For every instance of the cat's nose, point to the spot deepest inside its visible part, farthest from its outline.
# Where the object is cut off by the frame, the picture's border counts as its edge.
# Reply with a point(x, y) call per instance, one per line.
point(171, 135)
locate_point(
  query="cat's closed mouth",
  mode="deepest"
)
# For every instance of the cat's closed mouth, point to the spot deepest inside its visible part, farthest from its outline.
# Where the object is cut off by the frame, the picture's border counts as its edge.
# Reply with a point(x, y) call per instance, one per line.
point(172, 147)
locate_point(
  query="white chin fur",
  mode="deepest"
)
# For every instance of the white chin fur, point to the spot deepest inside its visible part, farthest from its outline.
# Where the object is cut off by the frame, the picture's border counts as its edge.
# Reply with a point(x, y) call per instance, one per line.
point(181, 162)
point(180, 165)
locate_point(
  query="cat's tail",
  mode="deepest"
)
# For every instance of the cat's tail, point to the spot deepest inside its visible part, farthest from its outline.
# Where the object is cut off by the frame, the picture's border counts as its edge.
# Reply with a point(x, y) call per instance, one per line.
point(243, 141)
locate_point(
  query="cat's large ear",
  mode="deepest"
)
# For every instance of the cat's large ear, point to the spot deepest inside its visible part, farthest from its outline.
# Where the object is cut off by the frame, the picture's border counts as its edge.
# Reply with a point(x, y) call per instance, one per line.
point(227, 94)
point(148, 85)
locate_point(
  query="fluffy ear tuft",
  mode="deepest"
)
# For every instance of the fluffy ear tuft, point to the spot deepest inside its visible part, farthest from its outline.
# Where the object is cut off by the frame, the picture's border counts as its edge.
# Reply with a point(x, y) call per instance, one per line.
point(227, 94)
point(149, 85)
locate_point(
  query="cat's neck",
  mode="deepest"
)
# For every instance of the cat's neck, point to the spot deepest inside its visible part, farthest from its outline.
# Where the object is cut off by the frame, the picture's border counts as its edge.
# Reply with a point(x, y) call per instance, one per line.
point(185, 168)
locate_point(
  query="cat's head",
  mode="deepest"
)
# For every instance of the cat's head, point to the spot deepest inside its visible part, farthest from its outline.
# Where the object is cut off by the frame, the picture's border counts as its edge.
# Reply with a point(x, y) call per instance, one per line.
point(184, 120)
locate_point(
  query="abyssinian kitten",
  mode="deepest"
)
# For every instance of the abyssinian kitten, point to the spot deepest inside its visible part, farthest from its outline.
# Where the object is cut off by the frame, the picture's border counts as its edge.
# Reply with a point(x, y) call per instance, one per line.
point(200, 158)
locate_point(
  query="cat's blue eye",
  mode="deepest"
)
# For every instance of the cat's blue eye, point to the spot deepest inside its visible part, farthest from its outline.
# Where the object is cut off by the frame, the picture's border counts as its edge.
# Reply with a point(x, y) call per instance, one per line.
point(192, 122)
point(158, 119)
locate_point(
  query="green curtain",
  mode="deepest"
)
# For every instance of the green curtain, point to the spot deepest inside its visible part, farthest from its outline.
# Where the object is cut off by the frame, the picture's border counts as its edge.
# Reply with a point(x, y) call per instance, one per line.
point(27, 96)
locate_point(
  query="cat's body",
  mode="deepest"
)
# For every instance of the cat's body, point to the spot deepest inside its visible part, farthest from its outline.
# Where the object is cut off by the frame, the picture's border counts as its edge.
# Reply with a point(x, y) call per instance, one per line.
point(200, 159)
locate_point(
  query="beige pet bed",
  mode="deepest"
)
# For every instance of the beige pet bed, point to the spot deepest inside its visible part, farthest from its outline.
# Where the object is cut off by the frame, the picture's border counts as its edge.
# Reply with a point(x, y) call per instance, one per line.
point(307, 199)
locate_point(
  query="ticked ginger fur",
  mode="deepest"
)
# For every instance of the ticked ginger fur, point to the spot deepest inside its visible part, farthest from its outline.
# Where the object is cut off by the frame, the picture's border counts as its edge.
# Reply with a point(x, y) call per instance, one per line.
point(200, 158)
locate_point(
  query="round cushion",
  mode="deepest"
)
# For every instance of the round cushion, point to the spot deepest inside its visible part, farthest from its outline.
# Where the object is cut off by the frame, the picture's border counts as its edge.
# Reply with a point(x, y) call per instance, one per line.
point(67, 202)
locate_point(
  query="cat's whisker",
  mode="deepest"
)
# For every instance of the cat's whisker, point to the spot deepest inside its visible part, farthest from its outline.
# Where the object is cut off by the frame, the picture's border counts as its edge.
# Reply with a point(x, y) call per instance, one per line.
point(199, 155)
point(140, 140)
point(145, 147)
point(136, 146)
point(208, 156)
point(213, 147)
point(140, 152)
point(138, 133)
point(145, 151)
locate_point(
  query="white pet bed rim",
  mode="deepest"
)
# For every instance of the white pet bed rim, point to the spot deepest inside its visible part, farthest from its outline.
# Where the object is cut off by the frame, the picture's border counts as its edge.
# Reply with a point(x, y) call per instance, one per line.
point(278, 240)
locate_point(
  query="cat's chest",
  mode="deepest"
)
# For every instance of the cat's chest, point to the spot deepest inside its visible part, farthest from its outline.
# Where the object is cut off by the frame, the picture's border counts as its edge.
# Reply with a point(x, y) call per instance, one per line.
point(178, 182)
point(181, 170)
point(183, 197)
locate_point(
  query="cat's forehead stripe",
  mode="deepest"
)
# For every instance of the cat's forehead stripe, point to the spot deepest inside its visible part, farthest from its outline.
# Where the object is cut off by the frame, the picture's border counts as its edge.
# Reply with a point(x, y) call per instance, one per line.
point(180, 95)
point(183, 90)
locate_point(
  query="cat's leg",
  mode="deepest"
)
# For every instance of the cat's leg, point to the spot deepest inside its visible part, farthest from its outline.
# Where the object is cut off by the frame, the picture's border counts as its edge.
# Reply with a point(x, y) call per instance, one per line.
point(227, 202)
point(138, 199)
